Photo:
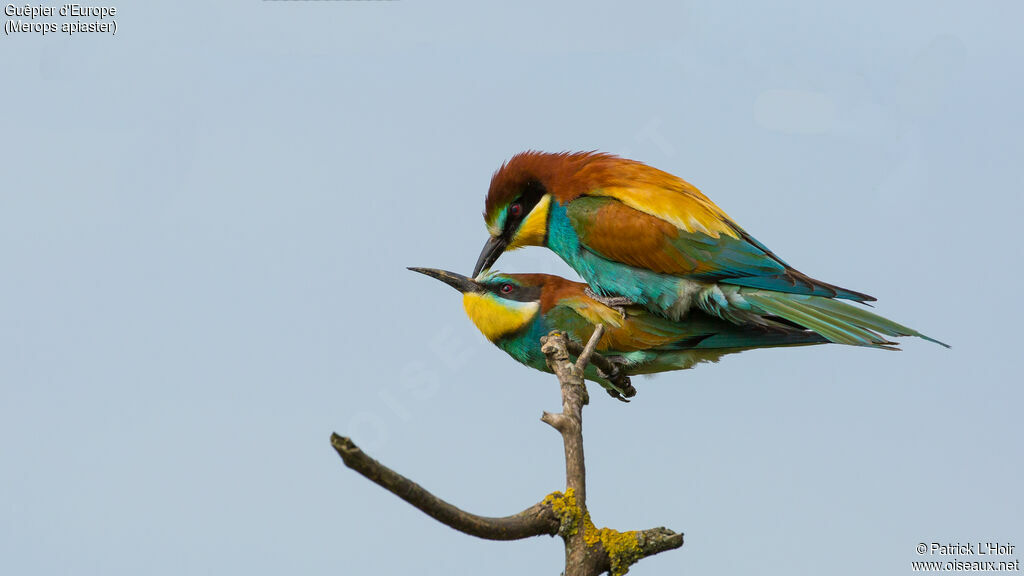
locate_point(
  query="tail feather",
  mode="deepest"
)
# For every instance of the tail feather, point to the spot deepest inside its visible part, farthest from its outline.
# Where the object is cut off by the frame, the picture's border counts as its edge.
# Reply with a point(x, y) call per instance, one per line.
point(838, 321)
point(833, 328)
point(872, 321)
point(762, 338)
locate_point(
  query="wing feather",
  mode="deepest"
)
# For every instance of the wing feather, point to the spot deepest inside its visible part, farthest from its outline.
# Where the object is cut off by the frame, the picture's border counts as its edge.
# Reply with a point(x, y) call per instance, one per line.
point(695, 240)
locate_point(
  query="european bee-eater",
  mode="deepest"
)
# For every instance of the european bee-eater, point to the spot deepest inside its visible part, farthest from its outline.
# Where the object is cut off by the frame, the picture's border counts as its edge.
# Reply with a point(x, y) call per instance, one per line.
point(638, 234)
point(514, 310)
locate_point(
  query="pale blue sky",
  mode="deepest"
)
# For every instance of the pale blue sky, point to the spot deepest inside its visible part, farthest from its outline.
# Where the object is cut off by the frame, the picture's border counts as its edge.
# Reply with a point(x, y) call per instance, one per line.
point(205, 222)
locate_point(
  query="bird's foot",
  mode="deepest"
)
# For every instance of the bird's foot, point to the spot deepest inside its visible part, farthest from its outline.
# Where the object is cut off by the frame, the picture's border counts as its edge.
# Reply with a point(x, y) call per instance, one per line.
point(618, 303)
point(623, 387)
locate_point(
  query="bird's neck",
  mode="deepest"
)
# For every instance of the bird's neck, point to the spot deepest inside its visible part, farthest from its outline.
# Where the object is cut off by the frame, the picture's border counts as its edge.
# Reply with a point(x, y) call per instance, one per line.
point(524, 345)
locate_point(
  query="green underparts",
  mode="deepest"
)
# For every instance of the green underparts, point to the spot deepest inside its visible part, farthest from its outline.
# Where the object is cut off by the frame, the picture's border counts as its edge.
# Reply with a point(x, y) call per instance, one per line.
point(623, 548)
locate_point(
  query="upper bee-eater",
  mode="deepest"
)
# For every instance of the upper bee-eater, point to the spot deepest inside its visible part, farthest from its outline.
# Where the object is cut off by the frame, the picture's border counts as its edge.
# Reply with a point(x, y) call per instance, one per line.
point(514, 310)
point(638, 234)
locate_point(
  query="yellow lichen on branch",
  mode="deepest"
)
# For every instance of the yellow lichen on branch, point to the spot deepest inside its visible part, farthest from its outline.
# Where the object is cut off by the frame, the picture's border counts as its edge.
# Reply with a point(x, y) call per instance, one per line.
point(565, 508)
point(622, 548)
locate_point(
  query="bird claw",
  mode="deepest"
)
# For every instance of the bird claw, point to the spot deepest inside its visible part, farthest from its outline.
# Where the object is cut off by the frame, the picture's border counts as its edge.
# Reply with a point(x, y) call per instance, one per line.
point(615, 394)
point(618, 303)
point(623, 387)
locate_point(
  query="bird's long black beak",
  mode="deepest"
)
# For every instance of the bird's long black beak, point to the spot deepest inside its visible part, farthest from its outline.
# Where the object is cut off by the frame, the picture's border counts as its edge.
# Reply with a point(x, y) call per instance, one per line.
point(457, 281)
point(492, 250)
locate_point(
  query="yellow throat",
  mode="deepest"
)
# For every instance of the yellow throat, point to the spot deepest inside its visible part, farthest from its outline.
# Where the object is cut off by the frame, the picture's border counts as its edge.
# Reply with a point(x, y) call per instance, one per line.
point(496, 318)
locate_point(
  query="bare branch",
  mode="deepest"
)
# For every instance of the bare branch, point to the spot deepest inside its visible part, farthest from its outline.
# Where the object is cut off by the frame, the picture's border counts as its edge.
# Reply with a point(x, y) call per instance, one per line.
point(570, 421)
point(655, 540)
point(536, 520)
point(589, 551)
point(588, 351)
point(570, 424)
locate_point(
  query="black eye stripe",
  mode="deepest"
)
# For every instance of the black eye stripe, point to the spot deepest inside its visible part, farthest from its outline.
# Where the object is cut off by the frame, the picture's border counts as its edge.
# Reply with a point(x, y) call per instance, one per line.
point(517, 293)
point(530, 194)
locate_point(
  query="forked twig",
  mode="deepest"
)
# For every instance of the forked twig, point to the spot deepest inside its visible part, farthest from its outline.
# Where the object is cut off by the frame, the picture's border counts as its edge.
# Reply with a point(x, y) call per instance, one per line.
point(588, 550)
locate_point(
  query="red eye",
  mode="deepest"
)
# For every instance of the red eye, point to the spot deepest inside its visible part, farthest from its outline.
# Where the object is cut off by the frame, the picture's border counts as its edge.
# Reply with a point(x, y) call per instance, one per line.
point(506, 288)
point(515, 210)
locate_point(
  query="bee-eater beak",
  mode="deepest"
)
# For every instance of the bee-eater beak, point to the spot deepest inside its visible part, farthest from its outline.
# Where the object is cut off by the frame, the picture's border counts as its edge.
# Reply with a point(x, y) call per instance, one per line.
point(492, 250)
point(457, 281)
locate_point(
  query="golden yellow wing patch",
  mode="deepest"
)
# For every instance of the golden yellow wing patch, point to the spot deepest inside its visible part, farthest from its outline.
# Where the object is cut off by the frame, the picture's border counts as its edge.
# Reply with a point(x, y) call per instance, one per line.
point(677, 203)
point(596, 313)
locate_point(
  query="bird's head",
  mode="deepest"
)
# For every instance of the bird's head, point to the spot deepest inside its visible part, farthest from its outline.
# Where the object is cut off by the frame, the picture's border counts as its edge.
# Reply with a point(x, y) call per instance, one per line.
point(519, 200)
point(501, 305)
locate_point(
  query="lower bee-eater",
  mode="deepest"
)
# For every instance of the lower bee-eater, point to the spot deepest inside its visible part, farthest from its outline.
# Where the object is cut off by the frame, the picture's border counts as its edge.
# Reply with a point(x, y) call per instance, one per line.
point(515, 310)
point(639, 234)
